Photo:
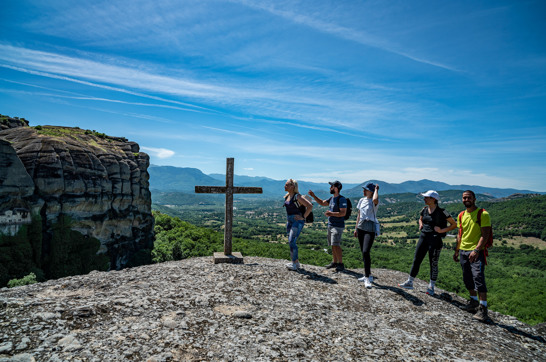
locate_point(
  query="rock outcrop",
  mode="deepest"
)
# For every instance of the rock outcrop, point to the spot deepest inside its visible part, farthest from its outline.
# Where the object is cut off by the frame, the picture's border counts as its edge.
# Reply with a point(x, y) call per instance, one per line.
point(93, 185)
point(257, 311)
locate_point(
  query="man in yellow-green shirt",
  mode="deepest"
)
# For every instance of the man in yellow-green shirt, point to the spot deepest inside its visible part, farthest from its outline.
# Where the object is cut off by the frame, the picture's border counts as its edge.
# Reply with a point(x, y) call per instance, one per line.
point(470, 253)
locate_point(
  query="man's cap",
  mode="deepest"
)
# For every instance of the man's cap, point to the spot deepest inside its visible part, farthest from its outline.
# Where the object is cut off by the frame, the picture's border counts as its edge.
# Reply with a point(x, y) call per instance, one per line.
point(431, 193)
point(369, 187)
point(337, 184)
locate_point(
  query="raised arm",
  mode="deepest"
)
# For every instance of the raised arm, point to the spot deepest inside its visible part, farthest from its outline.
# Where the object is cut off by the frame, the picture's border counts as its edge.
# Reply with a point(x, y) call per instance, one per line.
point(375, 197)
point(319, 201)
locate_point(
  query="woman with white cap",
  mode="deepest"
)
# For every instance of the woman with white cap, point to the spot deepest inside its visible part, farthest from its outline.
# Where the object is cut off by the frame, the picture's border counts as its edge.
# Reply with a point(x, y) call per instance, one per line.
point(433, 225)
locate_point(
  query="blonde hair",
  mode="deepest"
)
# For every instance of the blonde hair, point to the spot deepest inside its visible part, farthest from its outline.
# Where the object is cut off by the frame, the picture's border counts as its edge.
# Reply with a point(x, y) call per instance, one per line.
point(296, 189)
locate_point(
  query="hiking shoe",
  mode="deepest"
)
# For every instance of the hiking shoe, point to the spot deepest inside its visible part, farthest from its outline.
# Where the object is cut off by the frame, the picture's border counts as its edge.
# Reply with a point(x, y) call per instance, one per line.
point(481, 314)
point(331, 265)
point(472, 306)
point(340, 267)
point(430, 290)
point(368, 283)
point(406, 285)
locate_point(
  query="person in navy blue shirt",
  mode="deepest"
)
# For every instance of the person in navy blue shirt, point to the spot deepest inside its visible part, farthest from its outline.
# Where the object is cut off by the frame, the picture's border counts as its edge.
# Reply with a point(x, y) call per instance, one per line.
point(337, 207)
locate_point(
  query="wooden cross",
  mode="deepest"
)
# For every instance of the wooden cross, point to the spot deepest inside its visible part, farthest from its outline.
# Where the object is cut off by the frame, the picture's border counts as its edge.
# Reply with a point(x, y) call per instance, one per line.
point(229, 190)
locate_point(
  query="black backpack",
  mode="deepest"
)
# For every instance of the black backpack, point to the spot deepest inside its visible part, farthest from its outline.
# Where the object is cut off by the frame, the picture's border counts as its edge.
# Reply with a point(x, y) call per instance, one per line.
point(310, 218)
point(349, 208)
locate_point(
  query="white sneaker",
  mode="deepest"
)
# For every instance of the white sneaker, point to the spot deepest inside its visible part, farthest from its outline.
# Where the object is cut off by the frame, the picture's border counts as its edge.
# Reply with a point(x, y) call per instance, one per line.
point(362, 279)
point(368, 283)
point(406, 285)
point(293, 266)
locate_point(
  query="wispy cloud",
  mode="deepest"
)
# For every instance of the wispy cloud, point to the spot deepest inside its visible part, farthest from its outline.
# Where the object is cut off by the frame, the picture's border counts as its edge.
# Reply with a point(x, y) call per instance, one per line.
point(102, 86)
point(100, 99)
point(161, 153)
point(67, 68)
point(316, 106)
point(242, 134)
point(355, 35)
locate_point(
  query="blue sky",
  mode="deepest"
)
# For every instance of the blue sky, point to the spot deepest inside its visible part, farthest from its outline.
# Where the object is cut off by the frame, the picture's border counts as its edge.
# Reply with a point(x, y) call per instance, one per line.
point(450, 91)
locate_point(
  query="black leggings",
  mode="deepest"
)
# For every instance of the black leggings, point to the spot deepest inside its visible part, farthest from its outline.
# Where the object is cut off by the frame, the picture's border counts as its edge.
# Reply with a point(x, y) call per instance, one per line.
point(366, 238)
point(431, 243)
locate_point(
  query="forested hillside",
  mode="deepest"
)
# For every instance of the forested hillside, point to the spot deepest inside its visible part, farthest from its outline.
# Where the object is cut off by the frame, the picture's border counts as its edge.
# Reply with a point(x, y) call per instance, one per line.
point(525, 216)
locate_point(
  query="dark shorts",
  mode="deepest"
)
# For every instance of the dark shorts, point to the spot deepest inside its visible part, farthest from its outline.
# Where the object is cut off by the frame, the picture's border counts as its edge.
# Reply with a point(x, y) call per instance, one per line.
point(473, 273)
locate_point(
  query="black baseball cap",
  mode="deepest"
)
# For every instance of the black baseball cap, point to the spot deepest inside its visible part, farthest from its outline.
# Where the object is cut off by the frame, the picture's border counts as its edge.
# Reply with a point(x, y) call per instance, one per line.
point(369, 187)
point(337, 184)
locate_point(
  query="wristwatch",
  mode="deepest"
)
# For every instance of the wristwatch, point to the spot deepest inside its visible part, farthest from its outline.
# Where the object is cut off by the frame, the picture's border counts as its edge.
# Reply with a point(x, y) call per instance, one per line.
point(477, 250)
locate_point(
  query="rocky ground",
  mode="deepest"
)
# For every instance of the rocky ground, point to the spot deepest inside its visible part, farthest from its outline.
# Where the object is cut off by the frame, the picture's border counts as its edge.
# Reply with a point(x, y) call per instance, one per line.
point(259, 311)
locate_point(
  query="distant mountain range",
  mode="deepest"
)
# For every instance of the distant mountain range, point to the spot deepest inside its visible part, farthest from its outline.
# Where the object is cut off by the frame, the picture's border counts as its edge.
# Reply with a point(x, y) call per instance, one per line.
point(424, 185)
point(184, 179)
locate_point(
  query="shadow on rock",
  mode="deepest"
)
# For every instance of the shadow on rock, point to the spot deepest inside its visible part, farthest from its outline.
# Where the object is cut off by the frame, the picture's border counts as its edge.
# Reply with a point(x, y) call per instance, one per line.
point(446, 297)
point(401, 292)
point(351, 273)
point(310, 275)
point(316, 276)
point(519, 332)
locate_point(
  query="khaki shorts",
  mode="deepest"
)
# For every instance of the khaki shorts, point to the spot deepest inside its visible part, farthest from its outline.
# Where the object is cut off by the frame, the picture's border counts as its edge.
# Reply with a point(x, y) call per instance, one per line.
point(334, 236)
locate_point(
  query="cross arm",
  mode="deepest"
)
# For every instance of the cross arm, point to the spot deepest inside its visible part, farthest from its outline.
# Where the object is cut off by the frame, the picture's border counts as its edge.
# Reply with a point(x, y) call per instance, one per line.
point(223, 190)
point(210, 189)
point(247, 190)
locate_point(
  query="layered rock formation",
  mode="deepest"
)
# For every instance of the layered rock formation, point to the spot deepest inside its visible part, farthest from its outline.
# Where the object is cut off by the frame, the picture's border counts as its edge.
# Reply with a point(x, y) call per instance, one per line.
point(94, 185)
point(257, 311)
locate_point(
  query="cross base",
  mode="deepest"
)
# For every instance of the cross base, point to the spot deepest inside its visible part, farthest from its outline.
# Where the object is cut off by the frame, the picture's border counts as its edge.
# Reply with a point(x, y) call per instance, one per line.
point(234, 258)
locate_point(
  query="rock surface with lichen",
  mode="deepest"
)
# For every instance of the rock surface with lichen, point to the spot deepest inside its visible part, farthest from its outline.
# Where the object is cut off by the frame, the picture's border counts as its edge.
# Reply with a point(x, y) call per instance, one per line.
point(256, 311)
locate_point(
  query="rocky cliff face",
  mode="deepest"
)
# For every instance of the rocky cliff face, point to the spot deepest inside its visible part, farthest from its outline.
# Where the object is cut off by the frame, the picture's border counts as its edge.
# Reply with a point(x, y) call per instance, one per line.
point(257, 311)
point(93, 185)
